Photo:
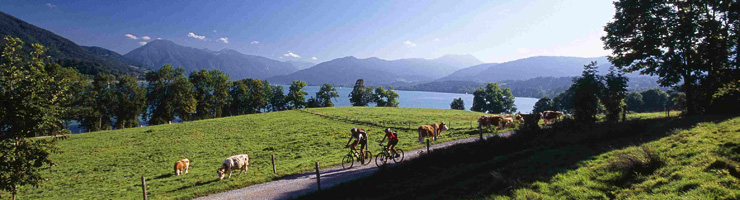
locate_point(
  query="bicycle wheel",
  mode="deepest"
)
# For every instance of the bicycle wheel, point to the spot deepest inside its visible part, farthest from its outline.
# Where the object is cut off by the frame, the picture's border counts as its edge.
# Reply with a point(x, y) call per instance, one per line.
point(380, 159)
point(348, 161)
point(400, 156)
point(368, 158)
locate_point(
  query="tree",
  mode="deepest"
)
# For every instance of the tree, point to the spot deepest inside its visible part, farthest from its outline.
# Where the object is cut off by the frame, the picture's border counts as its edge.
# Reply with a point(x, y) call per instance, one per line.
point(277, 100)
point(493, 99)
point(130, 98)
point(379, 96)
point(268, 95)
point(544, 104)
point(392, 98)
point(325, 94)
point(102, 104)
point(694, 42)
point(360, 96)
point(210, 90)
point(256, 100)
point(74, 106)
point(634, 102)
point(586, 92)
point(239, 98)
point(313, 103)
point(296, 96)
point(169, 95)
point(457, 104)
point(564, 102)
point(32, 93)
point(615, 90)
point(654, 100)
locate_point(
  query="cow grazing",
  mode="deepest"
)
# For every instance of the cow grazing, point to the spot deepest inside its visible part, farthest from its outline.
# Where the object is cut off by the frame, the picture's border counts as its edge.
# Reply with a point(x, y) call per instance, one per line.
point(487, 121)
point(182, 166)
point(233, 163)
point(507, 122)
point(549, 116)
point(531, 120)
point(432, 130)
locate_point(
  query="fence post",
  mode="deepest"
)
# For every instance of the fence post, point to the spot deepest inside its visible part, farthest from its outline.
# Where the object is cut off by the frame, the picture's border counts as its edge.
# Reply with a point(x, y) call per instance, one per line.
point(480, 132)
point(274, 169)
point(427, 145)
point(318, 177)
point(471, 125)
point(143, 186)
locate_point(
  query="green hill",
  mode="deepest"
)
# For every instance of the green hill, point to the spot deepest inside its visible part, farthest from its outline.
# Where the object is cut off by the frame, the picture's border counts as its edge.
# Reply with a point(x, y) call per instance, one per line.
point(109, 164)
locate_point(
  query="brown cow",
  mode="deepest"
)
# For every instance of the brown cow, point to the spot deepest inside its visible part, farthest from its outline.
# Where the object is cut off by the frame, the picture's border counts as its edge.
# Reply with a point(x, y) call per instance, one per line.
point(182, 166)
point(432, 130)
point(549, 116)
point(487, 121)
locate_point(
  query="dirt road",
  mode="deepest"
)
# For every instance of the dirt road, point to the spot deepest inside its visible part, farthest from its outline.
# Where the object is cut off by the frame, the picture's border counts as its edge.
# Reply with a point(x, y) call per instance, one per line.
point(298, 185)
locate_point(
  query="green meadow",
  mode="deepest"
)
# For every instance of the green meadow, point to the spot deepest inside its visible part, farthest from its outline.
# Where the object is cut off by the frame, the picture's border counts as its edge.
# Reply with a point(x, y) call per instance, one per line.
point(109, 164)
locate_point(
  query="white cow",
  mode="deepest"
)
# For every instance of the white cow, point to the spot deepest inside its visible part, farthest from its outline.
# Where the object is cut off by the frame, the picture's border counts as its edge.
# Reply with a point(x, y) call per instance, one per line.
point(233, 163)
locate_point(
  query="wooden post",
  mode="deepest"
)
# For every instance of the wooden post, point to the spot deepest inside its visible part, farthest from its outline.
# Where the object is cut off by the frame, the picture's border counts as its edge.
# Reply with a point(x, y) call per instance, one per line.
point(471, 125)
point(480, 132)
point(318, 177)
point(427, 145)
point(274, 169)
point(143, 186)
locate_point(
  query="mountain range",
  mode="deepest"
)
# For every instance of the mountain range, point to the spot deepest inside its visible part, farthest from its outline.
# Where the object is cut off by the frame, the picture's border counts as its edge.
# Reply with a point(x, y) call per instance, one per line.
point(239, 66)
point(376, 71)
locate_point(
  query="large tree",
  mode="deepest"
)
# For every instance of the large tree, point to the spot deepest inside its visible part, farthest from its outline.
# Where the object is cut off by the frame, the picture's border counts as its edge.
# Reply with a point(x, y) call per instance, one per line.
point(326, 93)
point(210, 90)
point(131, 102)
point(277, 99)
point(457, 104)
point(544, 104)
point(101, 103)
point(256, 98)
point(615, 90)
point(169, 95)
point(32, 95)
point(296, 95)
point(360, 95)
point(694, 42)
point(586, 92)
point(493, 99)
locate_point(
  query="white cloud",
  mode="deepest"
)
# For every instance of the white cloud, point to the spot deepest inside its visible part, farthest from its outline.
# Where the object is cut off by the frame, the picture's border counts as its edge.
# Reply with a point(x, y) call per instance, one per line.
point(436, 39)
point(146, 38)
point(291, 54)
point(409, 43)
point(133, 37)
point(255, 42)
point(142, 43)
point(193, 35)
point(51, 5)
point(314, 58)
point(159, 38)
point(214, 31)
point(225, 40)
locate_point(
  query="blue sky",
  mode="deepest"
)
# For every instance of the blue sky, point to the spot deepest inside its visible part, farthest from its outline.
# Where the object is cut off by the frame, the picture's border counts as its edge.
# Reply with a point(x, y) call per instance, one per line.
point(492, 31)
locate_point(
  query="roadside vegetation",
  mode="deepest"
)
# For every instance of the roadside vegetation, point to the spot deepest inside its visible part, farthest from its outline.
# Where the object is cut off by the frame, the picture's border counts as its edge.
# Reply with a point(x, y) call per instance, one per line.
point(109, 164)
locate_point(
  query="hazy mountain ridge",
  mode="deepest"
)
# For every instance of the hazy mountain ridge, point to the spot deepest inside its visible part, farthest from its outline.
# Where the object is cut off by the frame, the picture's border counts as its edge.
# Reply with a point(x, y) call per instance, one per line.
point(527, 68)
point(160, 52)
point(65, 51)
point(376, 71)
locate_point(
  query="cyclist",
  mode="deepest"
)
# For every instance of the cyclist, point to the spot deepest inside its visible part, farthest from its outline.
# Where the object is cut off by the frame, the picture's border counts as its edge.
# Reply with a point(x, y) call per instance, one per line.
point(361, 137)
point(392, 140)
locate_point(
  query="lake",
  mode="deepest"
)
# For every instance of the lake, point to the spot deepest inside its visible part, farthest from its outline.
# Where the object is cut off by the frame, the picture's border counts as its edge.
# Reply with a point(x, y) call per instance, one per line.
point(418, 99)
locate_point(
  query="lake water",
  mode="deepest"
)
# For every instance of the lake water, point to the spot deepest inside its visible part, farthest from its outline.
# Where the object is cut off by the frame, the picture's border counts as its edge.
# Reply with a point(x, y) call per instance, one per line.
point(417, 99)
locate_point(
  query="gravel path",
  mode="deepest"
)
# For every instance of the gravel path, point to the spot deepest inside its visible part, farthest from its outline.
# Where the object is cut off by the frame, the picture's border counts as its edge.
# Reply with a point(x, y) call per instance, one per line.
point(302, 184)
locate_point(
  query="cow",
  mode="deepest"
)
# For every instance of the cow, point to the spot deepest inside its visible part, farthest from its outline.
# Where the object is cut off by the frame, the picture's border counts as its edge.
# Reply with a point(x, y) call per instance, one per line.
point(549, 116)
point(487, 121)
point(432, 130)
point(531, 120)
point(182, 165)
point(507, 122)
point(233, 163)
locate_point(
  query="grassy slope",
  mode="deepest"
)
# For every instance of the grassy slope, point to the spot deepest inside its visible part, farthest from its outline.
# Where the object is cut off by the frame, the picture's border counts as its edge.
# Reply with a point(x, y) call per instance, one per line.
point(699, 163)
point(109, 164)
point(584, 164)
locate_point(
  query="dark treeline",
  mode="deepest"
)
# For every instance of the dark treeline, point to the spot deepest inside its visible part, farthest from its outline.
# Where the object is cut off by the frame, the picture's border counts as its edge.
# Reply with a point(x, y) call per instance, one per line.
point(535, 87)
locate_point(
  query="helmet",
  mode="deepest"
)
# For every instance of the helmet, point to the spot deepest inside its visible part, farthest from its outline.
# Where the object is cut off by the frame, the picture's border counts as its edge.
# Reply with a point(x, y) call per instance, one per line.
point(387, 130)
point(353, 130)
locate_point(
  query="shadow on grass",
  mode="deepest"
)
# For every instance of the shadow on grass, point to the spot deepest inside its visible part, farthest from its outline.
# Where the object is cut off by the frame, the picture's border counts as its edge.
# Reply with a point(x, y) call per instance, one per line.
point(199, 183)
point(500, 164)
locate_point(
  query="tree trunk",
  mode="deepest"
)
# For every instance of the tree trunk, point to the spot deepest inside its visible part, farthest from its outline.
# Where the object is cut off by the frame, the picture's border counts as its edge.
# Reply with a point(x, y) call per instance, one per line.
point(689, 91)
point(15, 190)
point(100, 121)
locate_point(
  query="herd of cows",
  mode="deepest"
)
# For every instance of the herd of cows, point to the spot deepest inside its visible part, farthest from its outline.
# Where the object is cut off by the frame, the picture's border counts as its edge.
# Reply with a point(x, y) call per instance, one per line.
point(241, 162)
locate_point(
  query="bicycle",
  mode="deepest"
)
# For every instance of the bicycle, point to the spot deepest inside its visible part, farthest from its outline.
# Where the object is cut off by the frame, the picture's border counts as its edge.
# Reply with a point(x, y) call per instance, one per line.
point(382, 158)
point(349, 160)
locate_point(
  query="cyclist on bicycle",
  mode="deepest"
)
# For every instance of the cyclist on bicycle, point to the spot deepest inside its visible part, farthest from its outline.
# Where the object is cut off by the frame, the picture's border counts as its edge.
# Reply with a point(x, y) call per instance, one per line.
point(361, 136)
point(392, 140)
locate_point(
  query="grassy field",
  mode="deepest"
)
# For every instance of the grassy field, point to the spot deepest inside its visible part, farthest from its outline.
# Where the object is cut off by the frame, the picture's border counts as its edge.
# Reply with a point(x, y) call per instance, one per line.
point(647, 157)
point(109, 164)
point(698, 163)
